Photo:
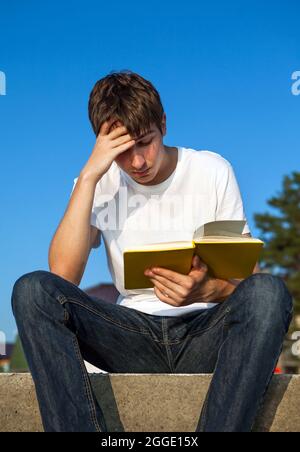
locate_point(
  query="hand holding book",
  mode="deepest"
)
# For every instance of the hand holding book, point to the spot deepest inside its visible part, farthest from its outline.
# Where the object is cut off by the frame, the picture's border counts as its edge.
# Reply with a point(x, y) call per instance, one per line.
point(181, 290)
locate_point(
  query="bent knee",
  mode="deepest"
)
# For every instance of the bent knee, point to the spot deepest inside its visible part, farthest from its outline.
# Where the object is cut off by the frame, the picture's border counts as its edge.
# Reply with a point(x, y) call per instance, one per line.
point(266, 284)
point(268, 297)
point(25, 290)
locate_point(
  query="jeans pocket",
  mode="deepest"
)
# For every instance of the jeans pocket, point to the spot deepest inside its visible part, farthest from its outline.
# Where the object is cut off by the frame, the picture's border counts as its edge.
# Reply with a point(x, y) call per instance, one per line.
point(212, 324)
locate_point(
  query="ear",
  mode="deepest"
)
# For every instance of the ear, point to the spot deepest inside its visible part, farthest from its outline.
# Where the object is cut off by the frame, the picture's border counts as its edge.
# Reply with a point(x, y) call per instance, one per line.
point(164, 124)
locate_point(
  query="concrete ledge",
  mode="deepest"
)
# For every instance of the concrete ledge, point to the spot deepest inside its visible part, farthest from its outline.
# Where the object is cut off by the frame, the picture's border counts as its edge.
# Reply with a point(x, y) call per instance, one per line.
point(149, 402)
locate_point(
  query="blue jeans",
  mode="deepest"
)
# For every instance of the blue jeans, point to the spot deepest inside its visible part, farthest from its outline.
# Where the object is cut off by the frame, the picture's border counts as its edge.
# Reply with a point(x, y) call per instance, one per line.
point(238, 340)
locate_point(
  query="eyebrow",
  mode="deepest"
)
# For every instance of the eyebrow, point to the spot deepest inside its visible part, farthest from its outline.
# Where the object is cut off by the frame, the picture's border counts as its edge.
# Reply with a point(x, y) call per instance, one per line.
point(142, 136)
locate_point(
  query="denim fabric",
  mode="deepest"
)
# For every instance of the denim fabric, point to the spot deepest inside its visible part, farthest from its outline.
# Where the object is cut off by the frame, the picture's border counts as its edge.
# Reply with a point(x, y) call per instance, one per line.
point(238, 340)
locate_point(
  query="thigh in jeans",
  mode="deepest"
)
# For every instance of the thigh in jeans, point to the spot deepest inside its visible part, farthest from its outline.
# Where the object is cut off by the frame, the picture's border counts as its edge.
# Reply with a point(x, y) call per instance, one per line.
point(111, 337)
point(194, 343)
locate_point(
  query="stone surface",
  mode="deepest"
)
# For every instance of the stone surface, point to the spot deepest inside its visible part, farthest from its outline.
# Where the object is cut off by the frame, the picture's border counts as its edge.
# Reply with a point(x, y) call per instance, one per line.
point(149, 402)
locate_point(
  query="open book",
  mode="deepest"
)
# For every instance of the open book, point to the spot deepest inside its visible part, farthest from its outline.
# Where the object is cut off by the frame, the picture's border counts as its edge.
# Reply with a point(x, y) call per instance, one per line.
point(220, 244)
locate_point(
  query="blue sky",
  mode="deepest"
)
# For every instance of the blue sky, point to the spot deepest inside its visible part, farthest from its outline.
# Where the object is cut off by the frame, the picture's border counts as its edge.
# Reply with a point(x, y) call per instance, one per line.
point(223, 70)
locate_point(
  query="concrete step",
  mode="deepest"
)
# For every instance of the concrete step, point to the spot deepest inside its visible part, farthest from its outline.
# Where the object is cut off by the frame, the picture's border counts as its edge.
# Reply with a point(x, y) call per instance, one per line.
point(149, 402)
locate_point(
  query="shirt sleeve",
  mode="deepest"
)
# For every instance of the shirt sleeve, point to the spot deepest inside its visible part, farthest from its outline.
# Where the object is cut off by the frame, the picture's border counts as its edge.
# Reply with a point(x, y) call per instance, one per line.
point(229, 199)
point(93, 219)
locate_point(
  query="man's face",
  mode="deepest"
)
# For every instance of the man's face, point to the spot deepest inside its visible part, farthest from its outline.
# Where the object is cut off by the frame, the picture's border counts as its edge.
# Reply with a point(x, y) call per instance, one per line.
point(143, 161)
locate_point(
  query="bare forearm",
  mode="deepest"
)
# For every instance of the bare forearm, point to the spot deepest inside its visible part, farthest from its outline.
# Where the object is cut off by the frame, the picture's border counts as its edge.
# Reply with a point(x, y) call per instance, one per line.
point(69, 248)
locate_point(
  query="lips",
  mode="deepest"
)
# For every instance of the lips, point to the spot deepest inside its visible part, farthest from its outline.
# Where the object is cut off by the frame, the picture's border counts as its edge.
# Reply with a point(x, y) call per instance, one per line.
point(141, 173)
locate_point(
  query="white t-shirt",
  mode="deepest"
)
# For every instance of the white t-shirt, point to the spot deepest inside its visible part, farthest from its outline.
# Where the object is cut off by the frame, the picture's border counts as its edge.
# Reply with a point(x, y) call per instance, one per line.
point(202, 188)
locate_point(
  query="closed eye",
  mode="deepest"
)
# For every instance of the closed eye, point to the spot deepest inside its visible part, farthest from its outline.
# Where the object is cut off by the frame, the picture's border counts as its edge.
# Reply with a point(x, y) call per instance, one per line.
point(145, 144)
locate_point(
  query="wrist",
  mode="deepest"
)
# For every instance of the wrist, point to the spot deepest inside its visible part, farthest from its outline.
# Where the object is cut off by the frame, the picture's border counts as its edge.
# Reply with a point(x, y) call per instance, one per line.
point(88, 177)
point(226, 288)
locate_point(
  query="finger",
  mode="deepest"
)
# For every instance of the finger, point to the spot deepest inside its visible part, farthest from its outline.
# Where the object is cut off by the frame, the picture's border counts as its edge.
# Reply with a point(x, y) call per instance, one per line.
point(104, 129)
point(123, 147)
point(199, 269)
point(117, 132)
point(121, 140)
point(175, 277)
point(163, 298)
point(176, 289)
point(116, 123)
point(196, 262)
point(169, 293)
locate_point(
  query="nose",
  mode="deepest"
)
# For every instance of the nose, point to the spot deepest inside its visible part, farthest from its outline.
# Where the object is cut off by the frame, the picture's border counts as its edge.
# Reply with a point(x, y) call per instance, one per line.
point(138, 161)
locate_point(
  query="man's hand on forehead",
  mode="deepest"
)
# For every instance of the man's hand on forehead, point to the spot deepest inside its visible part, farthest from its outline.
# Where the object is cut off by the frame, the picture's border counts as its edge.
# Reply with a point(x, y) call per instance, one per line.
point(112, 140)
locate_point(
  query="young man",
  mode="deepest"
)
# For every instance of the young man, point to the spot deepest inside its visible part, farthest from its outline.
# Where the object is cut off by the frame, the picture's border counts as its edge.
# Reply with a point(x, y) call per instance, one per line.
point(187, 323)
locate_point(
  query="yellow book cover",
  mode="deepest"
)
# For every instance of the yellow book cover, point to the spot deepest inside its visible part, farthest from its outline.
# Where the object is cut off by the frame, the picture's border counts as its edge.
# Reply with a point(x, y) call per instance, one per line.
point(220, 244)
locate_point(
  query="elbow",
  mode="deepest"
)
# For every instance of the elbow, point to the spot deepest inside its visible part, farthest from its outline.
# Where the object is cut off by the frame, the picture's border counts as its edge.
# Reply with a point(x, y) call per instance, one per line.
point(66, 276)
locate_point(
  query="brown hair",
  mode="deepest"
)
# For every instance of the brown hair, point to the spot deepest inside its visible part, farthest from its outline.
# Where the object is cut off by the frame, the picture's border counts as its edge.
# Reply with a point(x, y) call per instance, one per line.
point(127, 97)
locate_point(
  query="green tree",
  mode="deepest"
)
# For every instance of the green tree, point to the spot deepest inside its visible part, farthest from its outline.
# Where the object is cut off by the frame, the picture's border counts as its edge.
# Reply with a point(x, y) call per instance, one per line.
point(281, 234)
point(18, 361)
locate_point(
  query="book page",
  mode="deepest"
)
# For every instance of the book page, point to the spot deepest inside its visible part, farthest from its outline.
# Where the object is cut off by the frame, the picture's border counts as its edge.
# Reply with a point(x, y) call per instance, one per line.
point(223, 239)
point(226, 228)
point(163, 246)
